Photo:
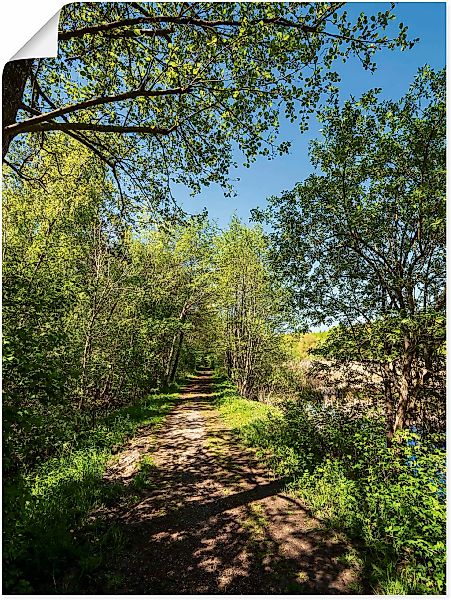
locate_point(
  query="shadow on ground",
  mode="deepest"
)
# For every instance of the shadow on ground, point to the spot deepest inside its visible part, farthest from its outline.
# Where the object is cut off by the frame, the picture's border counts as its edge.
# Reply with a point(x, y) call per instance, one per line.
point(208, 519)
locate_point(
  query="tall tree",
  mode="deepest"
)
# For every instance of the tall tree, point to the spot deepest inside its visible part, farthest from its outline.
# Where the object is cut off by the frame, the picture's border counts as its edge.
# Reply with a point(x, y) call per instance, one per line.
point(184, 255)
point(95, 315)
point(251, 307)
point(163, 92)
point(362, 242)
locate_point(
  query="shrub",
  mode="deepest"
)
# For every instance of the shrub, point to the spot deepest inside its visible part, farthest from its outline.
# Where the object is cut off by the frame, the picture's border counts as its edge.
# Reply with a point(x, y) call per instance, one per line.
point(44, 508)
point(392, 499)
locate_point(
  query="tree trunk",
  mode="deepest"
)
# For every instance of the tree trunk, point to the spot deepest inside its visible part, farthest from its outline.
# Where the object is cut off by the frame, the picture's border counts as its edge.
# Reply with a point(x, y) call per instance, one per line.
point(176, 358)
point(168, 369)
point(15, 75)
point(229, 363)
point(405, 388)
point(389, 402)
point(174, 351)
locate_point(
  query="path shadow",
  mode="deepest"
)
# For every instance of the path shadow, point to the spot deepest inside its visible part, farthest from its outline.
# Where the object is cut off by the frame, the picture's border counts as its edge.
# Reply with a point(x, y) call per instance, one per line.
point(209, 520)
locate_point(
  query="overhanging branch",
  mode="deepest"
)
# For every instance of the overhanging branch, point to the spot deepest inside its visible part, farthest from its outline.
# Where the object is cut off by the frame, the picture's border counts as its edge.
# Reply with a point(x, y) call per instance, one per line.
point(99, 128)
point(30, 124)
point(204, 23)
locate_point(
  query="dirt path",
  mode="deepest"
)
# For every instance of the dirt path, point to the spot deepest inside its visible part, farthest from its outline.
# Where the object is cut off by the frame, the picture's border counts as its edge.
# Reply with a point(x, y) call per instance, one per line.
point(211, 520)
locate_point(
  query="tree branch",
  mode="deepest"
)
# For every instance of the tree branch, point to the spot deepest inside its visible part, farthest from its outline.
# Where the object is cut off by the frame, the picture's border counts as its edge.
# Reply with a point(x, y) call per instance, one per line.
point(20, 173)
point(206, 24)
point(69, 126)
point(66, 35)
point(29, 124)
point(132, 33)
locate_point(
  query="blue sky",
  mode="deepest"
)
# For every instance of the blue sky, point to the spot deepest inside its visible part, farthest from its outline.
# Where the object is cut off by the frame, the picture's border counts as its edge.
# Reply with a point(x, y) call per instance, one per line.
point(395, 72)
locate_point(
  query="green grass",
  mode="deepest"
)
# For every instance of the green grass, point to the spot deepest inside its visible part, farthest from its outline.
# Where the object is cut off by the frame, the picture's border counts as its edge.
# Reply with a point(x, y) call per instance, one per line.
point(256, 521)
point(142, 478)
point(237, 412)
point(45, 511)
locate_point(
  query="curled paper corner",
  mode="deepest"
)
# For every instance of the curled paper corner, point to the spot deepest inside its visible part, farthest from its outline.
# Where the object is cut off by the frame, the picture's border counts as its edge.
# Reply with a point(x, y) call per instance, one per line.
point(44, 44)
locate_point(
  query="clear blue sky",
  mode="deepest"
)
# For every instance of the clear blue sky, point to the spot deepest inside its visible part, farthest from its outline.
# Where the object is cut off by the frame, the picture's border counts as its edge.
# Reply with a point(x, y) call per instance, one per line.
point(396, 70)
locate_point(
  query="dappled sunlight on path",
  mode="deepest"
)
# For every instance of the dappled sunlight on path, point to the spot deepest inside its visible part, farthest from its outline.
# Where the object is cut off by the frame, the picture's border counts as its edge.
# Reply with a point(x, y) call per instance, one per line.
point(211, 520)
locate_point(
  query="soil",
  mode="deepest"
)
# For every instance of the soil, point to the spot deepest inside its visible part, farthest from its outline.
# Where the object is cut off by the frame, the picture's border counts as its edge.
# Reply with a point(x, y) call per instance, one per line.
point(211, 519)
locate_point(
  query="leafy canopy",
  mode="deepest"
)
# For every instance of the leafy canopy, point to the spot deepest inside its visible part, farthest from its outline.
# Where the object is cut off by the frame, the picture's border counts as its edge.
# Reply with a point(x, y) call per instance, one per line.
point(364, 236)
point(164, 92)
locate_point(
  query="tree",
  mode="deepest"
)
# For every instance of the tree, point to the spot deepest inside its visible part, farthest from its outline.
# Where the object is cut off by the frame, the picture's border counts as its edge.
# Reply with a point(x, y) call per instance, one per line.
point(362, 242)
point(250, 306)
point(95, 314)
point(183, 255)
point(163, 92)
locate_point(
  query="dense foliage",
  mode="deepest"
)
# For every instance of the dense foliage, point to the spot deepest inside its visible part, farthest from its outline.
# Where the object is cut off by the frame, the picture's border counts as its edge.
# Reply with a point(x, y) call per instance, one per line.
point(93, 315)
point(251, 307)
point(96, 315)
point(107, 304)
point(362, 241)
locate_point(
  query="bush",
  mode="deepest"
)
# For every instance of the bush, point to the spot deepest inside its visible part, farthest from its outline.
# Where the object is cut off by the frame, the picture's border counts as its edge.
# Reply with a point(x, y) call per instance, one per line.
point(391, 499)
point(44, 508)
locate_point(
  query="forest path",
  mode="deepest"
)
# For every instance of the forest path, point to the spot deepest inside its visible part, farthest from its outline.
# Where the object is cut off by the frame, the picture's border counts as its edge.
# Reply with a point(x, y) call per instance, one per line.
point(211, 520)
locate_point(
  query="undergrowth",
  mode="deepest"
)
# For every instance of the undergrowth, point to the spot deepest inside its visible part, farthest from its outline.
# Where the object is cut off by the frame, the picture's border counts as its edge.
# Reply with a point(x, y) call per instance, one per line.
point(391, 501)
point(45, 509)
